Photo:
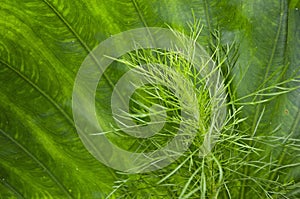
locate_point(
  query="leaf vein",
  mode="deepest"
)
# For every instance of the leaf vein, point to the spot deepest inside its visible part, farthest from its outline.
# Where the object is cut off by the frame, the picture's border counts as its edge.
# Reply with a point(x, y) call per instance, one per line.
point(52, 176)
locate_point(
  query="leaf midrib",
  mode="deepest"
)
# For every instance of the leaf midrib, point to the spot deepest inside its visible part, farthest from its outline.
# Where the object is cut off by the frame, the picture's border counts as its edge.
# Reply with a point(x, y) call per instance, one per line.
point(36, 87)
point(11, 188)
point(137, 9)
point(258, 108)
point(208, 20)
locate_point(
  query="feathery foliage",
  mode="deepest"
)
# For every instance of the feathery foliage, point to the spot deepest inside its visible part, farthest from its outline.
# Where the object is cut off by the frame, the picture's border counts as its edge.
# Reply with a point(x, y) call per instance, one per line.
point(256, 44)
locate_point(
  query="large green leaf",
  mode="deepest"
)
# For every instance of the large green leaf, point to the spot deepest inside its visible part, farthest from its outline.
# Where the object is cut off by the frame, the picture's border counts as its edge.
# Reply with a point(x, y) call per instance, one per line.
point(44, 42)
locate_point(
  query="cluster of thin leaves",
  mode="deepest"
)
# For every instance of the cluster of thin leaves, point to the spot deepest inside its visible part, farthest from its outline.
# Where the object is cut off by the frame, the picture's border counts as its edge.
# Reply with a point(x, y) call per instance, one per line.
point(238, 166)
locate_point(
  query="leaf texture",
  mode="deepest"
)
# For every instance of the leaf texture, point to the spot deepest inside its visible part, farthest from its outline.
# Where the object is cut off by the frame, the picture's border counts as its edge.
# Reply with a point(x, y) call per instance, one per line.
point(44, 42)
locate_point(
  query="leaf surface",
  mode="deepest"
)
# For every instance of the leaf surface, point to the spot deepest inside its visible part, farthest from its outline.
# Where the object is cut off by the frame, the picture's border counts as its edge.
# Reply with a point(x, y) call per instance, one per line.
point(44, 42)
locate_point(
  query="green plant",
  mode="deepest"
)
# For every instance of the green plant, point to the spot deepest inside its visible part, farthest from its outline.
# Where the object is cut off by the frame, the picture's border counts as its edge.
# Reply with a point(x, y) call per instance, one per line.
point(238, 166)
point(255, 44)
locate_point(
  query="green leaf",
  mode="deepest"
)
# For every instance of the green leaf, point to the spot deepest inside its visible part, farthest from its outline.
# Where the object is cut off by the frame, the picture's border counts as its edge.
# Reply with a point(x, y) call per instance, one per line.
point(44, 42)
